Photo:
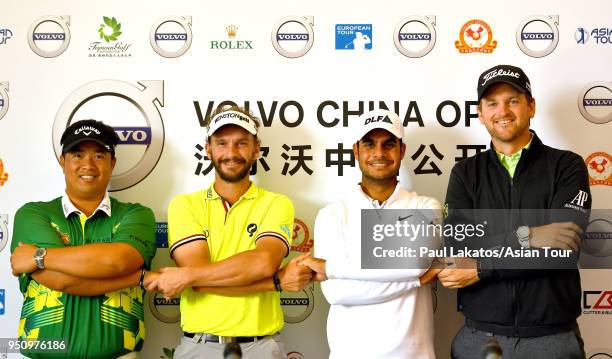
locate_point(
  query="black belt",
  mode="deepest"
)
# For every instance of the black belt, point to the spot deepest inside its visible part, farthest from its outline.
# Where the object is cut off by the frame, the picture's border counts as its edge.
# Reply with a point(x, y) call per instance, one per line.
point(221, 339)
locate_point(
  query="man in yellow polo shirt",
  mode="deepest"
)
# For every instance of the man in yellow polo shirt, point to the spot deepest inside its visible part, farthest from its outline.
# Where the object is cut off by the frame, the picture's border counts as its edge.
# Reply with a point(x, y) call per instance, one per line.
point(228, 241)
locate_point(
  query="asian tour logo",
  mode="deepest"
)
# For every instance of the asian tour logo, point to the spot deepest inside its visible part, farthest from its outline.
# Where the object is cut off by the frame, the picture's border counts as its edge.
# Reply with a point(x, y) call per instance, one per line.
point(108, 44)
point(595, 102)
point(293, 36)
point(5, 35)
point(49, 36)
point(476, 36)
point(142, 145)
point(538, 36)
point(171, 36)
point(415, 36)
point(600, 35)
point(4, 99)
point(357, 37)
point(599, 165)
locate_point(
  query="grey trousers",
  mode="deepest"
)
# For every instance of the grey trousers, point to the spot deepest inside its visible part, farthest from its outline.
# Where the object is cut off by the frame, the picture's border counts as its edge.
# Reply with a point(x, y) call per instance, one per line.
point(270, 347)
point(468, 344)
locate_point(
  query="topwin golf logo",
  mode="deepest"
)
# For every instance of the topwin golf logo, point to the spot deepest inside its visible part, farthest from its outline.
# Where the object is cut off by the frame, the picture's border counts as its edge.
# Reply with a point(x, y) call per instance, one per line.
point(49, 36)
point(171, 36)
point(415, 36)
point(538, 36)
point(143, 99)
point(293, 36)
point(4, 99)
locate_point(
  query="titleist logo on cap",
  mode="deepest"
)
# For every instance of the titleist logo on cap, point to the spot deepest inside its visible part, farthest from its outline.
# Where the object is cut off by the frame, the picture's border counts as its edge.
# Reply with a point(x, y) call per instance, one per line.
point(498, 72)
point(87, 130)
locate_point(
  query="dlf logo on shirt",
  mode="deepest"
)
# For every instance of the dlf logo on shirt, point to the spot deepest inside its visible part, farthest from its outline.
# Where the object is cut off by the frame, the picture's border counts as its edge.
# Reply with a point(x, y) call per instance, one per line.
point(354, 37)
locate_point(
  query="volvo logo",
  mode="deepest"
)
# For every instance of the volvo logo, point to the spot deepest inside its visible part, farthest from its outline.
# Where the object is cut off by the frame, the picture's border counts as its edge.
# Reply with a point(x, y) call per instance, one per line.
point(171, 36)
point(4, 234)
point(293, 36)
point(152, 136)
point(49, 36)
point(595, 102)
point(538, 36)
point(415, 36)
point(4, 99)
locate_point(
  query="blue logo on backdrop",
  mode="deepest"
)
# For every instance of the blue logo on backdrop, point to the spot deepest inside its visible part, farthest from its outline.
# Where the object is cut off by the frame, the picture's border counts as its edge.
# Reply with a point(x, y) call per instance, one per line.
point(581, 35)
point(354, 37)
point(133, 135)
point(5, 34)
point(2, 302)
point(600, 35)
point(161, 234)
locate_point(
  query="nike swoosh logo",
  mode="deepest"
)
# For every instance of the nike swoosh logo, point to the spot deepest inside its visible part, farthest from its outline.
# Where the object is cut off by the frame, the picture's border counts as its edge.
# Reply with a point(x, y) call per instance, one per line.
point(403, 218)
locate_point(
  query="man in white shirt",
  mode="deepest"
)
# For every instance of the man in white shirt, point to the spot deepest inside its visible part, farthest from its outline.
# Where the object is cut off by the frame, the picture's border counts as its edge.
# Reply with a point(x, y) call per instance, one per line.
point(374, 313)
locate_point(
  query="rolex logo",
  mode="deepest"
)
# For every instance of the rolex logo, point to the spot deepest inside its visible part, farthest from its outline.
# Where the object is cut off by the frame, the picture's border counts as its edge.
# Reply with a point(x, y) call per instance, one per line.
point(230, 43)
point(231, 31)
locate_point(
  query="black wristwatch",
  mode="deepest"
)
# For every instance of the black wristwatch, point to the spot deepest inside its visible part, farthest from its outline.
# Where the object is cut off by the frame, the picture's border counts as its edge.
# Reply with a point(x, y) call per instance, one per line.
point(277, 282)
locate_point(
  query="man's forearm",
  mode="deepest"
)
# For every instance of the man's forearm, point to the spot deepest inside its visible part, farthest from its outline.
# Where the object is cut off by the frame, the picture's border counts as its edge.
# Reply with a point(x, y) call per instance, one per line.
point(262, 285)
point(238, 270)
point(66, 283)
point(97, 260)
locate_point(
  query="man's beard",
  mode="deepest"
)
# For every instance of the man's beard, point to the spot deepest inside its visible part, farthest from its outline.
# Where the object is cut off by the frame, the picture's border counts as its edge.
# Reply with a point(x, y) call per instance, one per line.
point(244, 172)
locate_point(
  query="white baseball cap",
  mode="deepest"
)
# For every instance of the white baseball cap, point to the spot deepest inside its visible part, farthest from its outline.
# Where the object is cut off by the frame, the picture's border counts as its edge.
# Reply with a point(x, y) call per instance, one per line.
point(231, 118)
point(385, 119)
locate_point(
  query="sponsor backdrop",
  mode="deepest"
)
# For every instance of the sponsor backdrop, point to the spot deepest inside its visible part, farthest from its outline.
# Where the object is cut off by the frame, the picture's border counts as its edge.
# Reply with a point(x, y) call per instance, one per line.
point(154, 70)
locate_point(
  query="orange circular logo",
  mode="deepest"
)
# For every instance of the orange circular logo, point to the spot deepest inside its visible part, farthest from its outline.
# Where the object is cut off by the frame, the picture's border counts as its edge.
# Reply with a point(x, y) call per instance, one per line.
point(476, 36)
point(599, 165)
point(301, 237)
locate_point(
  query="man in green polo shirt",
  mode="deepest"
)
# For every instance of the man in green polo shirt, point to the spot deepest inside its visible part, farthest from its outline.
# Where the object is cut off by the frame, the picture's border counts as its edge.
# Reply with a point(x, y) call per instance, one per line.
point(228, 241)
point(80, 257)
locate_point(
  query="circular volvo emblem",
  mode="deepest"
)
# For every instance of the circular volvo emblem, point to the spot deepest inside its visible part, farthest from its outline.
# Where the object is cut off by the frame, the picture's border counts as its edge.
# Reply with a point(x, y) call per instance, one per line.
point(538, 36)
point(171, 36)
point(4, 234)
point(293, 36)
point(298, 306)
point(144, 100)
point(165, 310)
point(415, 36)
point(598, 238)
point(49, 36)
point(595, 102)
point(4, 99)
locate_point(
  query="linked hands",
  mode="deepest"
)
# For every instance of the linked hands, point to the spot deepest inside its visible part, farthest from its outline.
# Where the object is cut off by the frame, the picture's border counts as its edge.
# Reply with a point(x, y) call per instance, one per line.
point(295, 276)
